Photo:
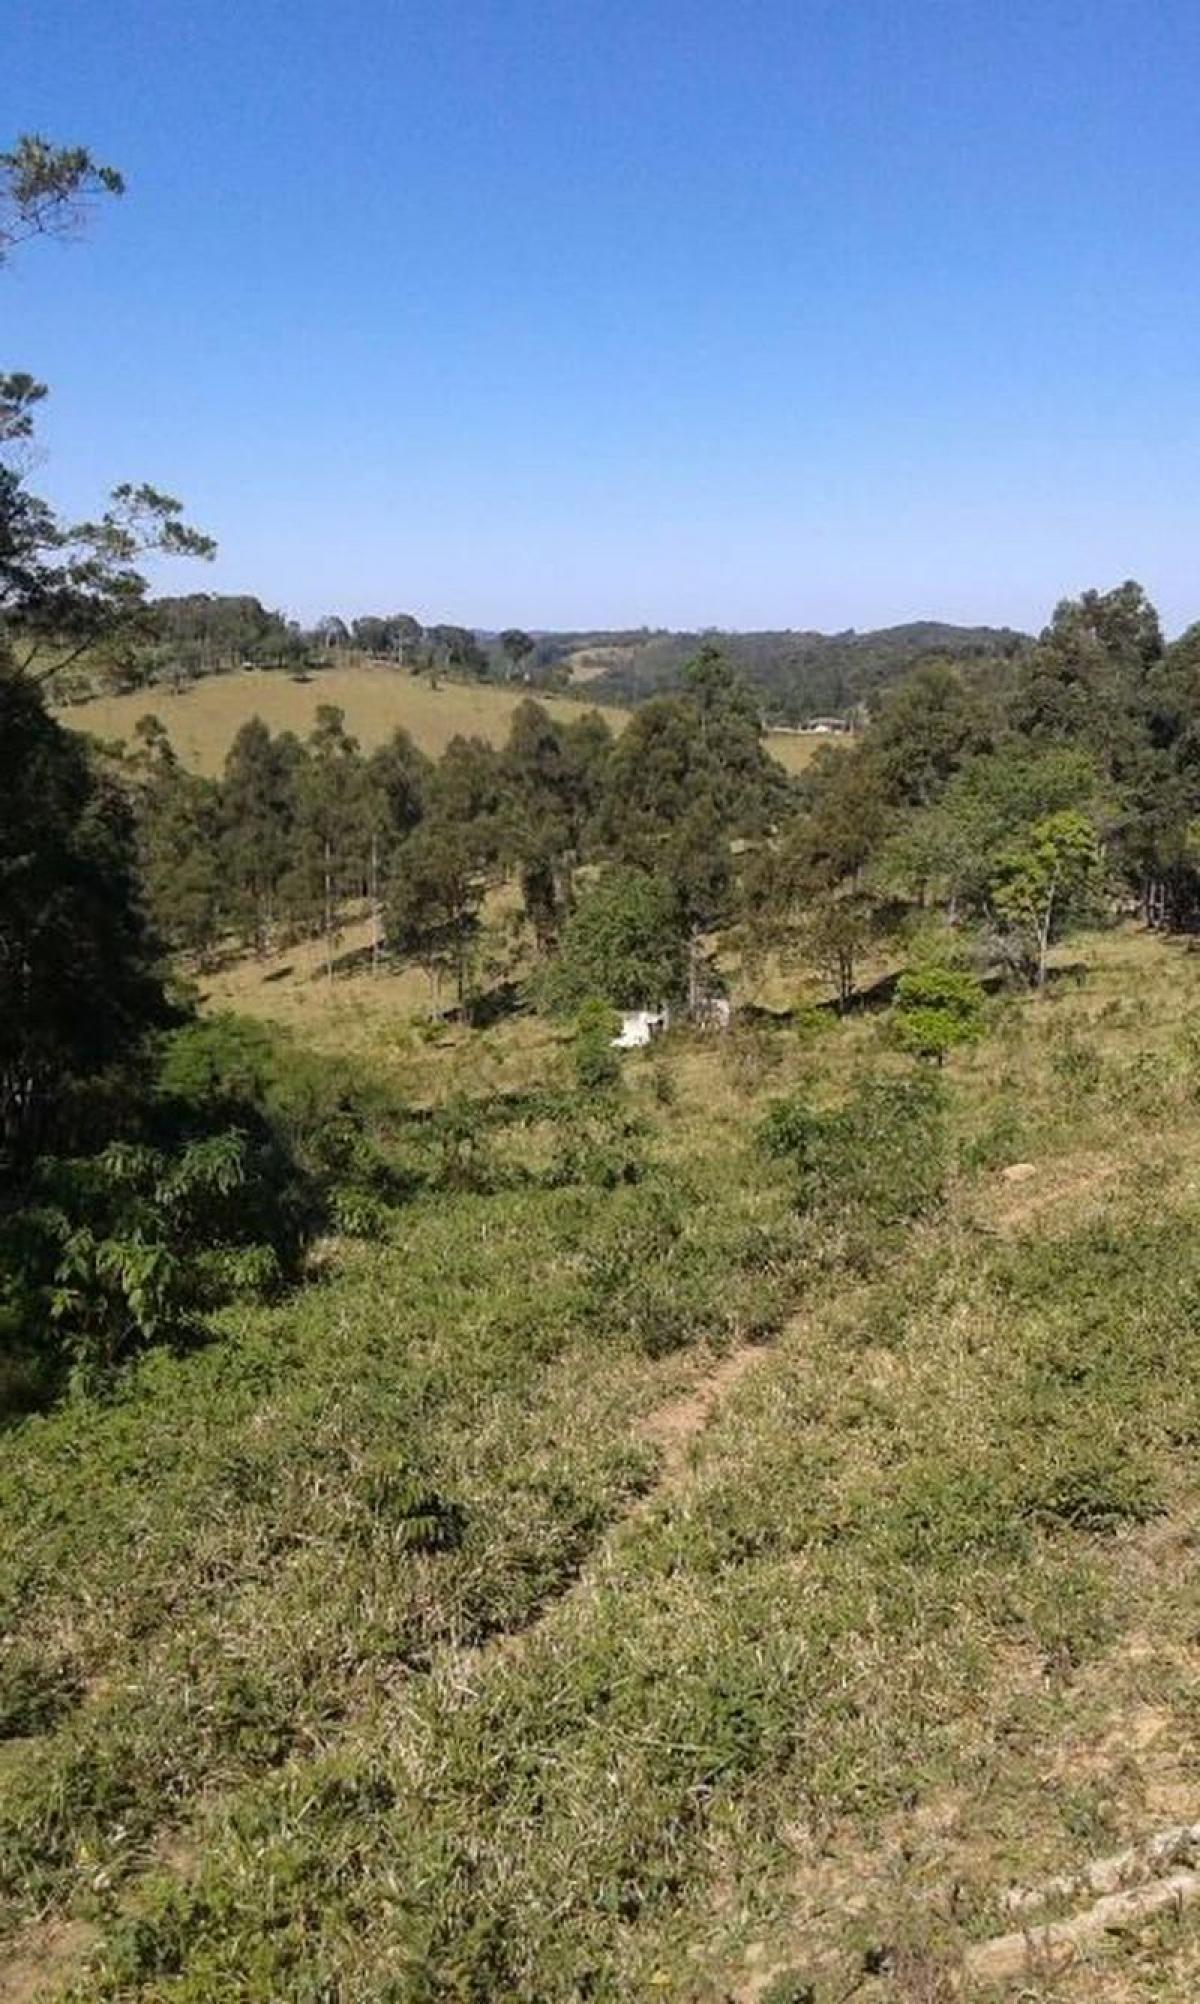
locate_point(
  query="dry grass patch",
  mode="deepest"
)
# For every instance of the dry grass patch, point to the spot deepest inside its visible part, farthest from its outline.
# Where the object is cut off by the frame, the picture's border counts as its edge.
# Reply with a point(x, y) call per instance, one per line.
point(204, 718)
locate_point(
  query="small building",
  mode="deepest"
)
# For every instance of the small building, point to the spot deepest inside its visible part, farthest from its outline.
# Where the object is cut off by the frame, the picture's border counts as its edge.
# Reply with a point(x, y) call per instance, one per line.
point(641, 1026)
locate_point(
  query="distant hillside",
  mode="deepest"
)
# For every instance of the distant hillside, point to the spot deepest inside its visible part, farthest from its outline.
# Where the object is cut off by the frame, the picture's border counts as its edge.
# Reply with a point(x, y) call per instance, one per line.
point(798, 675)
point(203, 717)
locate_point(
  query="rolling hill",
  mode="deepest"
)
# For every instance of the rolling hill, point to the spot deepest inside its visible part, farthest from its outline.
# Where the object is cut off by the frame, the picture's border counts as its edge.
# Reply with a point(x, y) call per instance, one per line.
point(797, 675)
point(203, 718)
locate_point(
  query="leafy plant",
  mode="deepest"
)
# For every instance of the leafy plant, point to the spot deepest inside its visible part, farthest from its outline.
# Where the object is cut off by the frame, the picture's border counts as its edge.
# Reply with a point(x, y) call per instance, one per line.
point(937, 1009)
point(884, 1151)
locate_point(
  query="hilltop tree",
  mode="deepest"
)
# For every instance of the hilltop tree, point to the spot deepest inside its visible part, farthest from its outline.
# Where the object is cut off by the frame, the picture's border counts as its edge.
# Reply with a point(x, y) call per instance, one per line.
point(516, 648)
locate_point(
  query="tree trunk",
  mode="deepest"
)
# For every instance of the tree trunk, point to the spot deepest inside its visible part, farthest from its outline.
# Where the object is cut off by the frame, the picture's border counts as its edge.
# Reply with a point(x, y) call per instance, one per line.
point(376, 913)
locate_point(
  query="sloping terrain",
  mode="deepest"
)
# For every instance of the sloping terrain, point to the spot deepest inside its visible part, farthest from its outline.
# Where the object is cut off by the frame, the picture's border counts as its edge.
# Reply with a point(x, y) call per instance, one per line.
point(203, 719)
point(642, 1591)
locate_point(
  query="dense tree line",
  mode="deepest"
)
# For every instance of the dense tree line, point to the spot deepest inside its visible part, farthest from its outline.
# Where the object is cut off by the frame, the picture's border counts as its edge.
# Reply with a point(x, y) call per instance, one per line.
point(178, 640)
point(1009, 811)
point(295, 835)
point(795, 676)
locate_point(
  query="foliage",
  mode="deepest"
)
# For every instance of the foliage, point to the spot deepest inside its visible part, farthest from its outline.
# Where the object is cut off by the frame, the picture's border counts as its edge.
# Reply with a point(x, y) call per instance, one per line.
point(226, 1162)
point(597, 1066)
point(884, 1151)
point(45, 190)
point(625, 943)
point(79, 975)
point(937, 1009)
point(130, 1246)
point(1042, 881)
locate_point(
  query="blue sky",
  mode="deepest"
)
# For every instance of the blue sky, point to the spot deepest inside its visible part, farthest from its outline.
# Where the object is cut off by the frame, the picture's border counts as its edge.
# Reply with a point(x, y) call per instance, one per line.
point(684, 312)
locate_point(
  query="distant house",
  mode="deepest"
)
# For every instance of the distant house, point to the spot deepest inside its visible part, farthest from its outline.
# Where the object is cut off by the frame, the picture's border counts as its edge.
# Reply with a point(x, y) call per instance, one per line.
point(641, 1026)
point(826, 726)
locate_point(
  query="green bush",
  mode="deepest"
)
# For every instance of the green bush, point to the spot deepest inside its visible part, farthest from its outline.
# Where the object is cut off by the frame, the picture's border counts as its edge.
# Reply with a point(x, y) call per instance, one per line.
point(937, 1009)
point(884, 1152)
point(225, 1162)
point(597, 1066)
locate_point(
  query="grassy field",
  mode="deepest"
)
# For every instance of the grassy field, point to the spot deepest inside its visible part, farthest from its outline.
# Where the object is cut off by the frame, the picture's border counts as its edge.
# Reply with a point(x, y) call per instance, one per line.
point(624, 1589)
point(203, 719)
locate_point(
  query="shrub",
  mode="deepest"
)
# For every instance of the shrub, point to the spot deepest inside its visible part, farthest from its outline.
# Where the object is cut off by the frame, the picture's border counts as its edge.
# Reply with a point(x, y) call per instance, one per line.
point(884, 1151)
point(936, 1010)
point(597, 1066)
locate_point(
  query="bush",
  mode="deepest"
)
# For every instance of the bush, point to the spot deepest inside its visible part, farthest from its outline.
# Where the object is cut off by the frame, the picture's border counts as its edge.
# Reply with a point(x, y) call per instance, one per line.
point(225, 1163)
point(597, 1066)
point(936, 1010)
point(883, 1152)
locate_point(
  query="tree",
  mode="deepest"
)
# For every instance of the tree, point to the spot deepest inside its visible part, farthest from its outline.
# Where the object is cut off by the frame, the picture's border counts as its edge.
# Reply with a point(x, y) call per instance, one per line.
point(455, 647)
point(400, 778)
point(433, 905)
point(1086, 681)
point(67, 586)
point(927, 727)
point(47, 190)
point(179, 843)
point(332, 827)
point(1043, 880)
point(936, 1010)
point(834, 935)
point(947, 854)
point(516, 647)
point(468, 794)
point(542, 827)
point(625, 944)
point(705, 743)
point(331, 633)
point(259, 809)
point(80, 979)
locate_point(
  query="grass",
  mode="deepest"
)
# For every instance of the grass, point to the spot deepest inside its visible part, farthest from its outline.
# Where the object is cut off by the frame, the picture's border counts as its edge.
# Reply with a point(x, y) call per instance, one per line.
point(203, 720)
point(430, 1636)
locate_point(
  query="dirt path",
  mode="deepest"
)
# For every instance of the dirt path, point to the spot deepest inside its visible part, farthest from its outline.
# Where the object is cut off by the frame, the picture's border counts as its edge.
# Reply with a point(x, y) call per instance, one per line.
point(673, 1428)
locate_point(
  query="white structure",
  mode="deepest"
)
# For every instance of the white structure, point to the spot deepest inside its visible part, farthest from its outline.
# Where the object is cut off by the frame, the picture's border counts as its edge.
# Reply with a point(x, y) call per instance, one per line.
point(715, 1012)
point(641, 1026)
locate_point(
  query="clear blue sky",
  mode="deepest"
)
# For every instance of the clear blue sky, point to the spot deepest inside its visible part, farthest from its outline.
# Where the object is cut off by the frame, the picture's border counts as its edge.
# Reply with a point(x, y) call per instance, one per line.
point(558, 312)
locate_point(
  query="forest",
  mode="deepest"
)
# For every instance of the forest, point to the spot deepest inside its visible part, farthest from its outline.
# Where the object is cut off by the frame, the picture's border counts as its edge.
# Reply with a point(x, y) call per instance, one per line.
point(488, 1515)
